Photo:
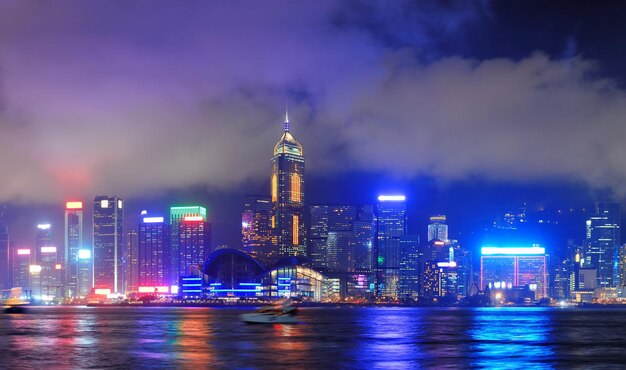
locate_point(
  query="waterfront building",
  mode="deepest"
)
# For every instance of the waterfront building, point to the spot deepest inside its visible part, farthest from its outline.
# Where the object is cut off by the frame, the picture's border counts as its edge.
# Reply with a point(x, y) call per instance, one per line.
point(437, 228)
point(503, 268)
point(21, 260)
point(190, 238)
point(73, 236)
point(5, 258)
point(132, 261)
point(154, 259)
point(256, 229)
point(108, 242)
point(602, 243)
point(410, 270)
point(49, 260)
point(287, 189)
point(390, 227)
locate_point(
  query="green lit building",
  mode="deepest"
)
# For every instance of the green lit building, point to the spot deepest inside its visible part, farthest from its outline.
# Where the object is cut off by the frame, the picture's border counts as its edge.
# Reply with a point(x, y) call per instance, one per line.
point(190, 239)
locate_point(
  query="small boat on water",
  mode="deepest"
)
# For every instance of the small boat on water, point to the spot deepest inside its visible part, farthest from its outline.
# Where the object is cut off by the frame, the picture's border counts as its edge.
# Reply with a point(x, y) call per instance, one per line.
point(15, 303)
point(279, 314)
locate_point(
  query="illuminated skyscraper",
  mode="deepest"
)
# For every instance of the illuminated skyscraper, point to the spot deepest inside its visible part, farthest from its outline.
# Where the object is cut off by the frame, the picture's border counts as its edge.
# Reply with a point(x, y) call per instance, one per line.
point(5, 267)
point(190, 238)
point(287, 187)
point(108, 242)
point(48, 259)
point(132, 261)
point(154, 259)
point(21, 260)
point(74, 243)
point(256, 229)
point(390, 227)
point(437, 228)
point(410, 268)
point(603, 242)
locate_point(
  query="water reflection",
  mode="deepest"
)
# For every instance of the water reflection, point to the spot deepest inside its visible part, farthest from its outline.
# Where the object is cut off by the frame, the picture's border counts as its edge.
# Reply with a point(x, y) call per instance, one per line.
point(512, 337)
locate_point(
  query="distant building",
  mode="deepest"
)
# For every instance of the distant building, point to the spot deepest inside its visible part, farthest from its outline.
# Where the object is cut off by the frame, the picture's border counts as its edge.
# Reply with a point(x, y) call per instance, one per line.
point(507, 268)
point(603, 243)
point(22, 258)
point(73, 236)
point(132, 261)
point(287, 187)
point(49, 260)
point(410, 269)
point(390, 227)
point(5, 257)
point(256, 229)
point(190, 238)
point(437, 228)
point(154, 259)
point(108, 243)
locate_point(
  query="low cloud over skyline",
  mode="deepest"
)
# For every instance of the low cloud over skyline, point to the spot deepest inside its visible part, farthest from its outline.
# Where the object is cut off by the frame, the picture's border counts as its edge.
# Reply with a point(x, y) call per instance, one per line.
point(119, 98)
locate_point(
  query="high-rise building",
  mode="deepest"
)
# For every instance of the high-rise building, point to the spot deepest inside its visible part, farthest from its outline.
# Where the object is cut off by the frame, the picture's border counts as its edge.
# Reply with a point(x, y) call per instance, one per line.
point(390, 227)
point(437, 228)
point(132, 260)
point(512, 267)
point(5, 266)
point(73, 243)
point(603, 242)
point(256, 229)
point(154, 259)
point(21, 260)
point(48, 259)
point(287, 186)
point(190, 238)
point(410, 270)
point(108, 242)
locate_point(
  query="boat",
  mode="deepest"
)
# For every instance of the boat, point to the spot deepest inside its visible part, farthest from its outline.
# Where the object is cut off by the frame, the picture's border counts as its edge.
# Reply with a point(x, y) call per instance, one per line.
point(15, 303)
point(283, 313)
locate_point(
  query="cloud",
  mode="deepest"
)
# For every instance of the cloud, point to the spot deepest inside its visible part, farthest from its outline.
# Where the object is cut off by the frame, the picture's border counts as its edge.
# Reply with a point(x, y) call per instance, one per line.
point(139, 98)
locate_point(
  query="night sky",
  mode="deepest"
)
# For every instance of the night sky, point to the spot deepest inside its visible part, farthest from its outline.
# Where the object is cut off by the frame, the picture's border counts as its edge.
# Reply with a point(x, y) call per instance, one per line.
point(469, 108)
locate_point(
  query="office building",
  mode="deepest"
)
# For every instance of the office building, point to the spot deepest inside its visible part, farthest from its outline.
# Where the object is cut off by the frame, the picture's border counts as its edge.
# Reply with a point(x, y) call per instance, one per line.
point(108, 242)
point(410, 270)
point(503, 268)
point(154, 259)
point(73, 237)
point(21, 260)
point(437, 228)
point(287, 188)
point(49, 260)
point(603, 243)
point(132, 261)
point(190, 239)
point(390, 227)
point(5, 258)
point(256, 229)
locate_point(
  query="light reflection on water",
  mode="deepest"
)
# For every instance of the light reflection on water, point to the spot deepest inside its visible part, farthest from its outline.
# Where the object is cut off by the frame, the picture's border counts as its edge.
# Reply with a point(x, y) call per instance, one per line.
point(133, 337)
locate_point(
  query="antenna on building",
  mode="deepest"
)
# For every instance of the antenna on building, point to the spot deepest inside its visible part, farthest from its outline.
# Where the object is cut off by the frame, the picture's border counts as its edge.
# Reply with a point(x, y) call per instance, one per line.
point(286, 126)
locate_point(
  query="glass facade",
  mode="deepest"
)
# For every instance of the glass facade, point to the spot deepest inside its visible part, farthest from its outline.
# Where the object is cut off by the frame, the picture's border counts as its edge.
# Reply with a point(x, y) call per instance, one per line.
point(108, 243)
point(74, 242)
point(390, 227)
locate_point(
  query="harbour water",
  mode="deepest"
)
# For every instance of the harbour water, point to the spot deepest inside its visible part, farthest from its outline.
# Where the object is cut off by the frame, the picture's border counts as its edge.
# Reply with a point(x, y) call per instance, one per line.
point(174, 337)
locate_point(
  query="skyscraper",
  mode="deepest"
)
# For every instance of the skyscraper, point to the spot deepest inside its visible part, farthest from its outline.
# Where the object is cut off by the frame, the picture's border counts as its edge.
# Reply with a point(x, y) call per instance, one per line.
point(190, 238)
point(74, 243)
point(390, 227)
point(132, 260)
point(47, 258)
point(256, 229)
point(437, 228)
point(154, 259)
point(287, 187)
point(108, 242)
point(21, 261)
point(5, 267)
point(603, 241)
point(410, 266)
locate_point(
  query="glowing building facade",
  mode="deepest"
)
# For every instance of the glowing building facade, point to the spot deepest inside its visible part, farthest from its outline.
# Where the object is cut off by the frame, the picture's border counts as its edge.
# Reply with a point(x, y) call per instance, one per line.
point(108, 243)
point(49, 260)
point(437, 228)
point(154, 259)
point(5, 267)
point(132, 261)
point(190, 238)
point(287, 188)
point(256, 229)
point(603, 243)
point(390, 228)
point(73, 243)
point(512, 267)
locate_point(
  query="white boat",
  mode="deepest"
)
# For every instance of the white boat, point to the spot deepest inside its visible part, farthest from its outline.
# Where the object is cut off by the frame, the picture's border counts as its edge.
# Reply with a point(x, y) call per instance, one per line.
point(268, 318)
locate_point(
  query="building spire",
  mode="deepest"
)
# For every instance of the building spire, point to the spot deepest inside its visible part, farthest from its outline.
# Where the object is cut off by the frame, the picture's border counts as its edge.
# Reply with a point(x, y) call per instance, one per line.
point(286, 125)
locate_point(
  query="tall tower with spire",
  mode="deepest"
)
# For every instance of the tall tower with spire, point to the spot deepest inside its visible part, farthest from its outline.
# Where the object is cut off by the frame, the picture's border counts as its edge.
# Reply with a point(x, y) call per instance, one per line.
point(288, 195)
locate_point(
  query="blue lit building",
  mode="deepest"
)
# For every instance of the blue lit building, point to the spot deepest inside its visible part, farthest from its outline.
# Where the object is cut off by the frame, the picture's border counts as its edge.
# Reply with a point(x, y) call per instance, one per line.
point(154, 253)
point(390, 227)
point(603, 243)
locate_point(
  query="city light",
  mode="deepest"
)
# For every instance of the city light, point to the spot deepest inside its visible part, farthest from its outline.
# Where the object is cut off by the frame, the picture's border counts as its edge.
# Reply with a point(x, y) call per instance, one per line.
point(446, 264)
point(44, 226)
point(102, 291)
point(23, 252)
point(193, 218)
point(74, 205)
point(150, 220)
point(153, 289)
point(57, 266)
point(391, 198)
point(84, 254)
point(48, 249)
point(512, 251)
point(34, 269)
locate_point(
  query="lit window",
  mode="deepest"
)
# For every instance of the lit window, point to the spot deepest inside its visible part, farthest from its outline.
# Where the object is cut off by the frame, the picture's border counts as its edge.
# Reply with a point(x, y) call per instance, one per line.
point(295, 236)
point(274, 188)
point(295, 187)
